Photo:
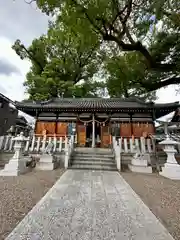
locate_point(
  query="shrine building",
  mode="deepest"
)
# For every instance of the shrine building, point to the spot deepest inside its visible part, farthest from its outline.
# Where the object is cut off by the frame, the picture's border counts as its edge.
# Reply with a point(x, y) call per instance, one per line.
point(95, 120)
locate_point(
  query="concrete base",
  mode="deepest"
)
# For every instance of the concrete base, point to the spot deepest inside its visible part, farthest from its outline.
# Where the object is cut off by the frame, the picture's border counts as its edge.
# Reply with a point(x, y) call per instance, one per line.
point(15, 167)
point(140, 169)
point(171, 171)
point(46, 163)
point(140, 164)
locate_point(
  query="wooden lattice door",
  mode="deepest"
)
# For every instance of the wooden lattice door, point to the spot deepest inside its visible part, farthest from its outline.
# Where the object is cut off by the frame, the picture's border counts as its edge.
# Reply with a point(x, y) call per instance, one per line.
point(105, 136)
point(81, 135)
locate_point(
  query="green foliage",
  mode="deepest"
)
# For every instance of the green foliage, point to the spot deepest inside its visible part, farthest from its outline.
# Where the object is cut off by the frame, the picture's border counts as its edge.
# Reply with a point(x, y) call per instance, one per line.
point(149, 27)
point(125, 74)
point(135, 43)
point(60, 60)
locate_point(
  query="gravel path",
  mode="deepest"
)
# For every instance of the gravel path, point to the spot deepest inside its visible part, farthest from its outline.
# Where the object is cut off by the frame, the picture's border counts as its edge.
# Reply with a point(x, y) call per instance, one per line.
point(19, 194)
point(161, 195)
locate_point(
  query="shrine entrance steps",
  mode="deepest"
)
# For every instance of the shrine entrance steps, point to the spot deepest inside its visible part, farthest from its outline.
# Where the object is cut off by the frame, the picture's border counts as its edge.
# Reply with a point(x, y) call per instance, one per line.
point(93, 159)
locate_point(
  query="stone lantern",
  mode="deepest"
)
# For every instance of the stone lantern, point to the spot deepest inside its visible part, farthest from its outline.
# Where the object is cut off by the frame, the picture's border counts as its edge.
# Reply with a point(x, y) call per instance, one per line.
point(171, 168)
point(17, 164)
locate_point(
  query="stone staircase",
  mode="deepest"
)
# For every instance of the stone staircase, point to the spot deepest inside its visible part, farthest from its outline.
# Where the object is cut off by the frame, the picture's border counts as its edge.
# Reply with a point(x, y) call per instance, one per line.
point(93, 159)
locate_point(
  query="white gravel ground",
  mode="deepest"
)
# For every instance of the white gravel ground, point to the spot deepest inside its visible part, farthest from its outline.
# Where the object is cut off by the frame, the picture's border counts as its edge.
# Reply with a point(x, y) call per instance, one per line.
point(19, 194)
point(161, 195)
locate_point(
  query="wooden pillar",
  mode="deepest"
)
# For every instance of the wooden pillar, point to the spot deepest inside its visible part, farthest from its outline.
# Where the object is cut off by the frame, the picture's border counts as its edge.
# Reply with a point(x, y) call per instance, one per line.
point(57, 115)
point(93, 132)
point(35, 127)
point(131, 124)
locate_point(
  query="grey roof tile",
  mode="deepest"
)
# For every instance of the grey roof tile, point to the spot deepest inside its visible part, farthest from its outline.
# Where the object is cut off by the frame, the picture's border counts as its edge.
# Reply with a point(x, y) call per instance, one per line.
point(85, 103)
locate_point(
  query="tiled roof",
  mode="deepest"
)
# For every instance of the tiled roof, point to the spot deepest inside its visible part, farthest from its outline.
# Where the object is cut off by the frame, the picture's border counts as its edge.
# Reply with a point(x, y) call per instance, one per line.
point(2, 96)
point(87, 103)
point(96, 105)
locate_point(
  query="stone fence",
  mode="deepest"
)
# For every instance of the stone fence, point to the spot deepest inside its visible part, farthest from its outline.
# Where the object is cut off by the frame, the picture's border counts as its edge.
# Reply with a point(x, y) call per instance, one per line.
point(38, 144)
point(35, 144)
point(130, 145)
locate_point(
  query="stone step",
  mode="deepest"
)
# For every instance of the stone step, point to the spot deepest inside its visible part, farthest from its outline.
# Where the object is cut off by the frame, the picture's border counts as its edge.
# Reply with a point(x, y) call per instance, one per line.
point(94, 155)
point(94, 152)
point(88, 149)
point(92, 158)
point(93, 163)
point(94, 167)
point(102, 160)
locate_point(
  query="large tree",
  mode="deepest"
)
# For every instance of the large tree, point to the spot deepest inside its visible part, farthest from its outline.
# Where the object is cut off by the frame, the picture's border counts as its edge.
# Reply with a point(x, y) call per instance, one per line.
point(63, 63)
point(149, 27)
point(124, 75)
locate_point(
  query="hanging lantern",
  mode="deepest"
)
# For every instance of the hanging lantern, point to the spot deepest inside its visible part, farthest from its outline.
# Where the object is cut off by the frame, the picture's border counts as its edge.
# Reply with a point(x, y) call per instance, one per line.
point(138, 124)
point(103, 124)
point(147, 124)
point(84, 123)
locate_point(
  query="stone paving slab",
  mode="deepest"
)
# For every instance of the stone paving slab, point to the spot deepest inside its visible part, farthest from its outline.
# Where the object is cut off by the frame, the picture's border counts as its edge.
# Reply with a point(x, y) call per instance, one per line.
point(85, 205)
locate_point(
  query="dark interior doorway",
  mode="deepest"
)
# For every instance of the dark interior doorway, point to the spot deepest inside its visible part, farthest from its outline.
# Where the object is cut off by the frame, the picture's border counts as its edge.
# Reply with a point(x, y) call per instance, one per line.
point(89, 134)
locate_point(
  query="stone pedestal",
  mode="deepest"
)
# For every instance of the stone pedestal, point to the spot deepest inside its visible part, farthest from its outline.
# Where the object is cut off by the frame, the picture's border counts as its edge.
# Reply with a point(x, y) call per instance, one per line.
point(139, 163)
point(171, 168)
point(17, 164)
point(46, 163)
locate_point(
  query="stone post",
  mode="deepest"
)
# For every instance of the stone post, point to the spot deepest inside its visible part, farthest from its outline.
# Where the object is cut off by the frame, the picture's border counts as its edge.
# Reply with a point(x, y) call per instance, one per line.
point(93, 132)
point(131, 145)
point(17, 164)
point(60, 144)
point(43, 143)
point(137, 144)
point(68, 152)
point(118, 157)
point(171, 168)
point(117, 152)
point(125, 145)
point(1, 142)
point(143, 148)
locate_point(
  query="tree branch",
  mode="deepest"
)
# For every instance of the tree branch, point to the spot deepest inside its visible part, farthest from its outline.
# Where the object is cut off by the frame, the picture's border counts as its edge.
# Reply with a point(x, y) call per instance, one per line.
point(84, 11)
point(29, 2)
point(32, 57)
point(157, 85)
point(129, 9)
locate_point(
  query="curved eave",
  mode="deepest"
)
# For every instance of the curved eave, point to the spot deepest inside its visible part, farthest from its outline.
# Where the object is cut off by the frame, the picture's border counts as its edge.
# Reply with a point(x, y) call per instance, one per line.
point(33, 111)
point(160, 112)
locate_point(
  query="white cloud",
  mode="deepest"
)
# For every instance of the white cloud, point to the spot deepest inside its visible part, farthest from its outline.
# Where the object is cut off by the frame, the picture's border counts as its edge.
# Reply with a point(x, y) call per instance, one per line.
point(19, 20)
point(167, 95)
point(13, 84)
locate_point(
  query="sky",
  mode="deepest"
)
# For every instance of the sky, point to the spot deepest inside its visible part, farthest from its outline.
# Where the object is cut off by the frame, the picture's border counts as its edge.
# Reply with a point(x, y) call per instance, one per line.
point(19, 20)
